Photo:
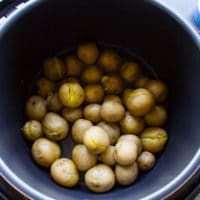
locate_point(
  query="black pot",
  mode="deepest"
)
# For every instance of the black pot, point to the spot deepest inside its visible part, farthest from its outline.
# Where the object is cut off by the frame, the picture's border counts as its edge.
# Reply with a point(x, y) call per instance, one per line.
point(43, 28)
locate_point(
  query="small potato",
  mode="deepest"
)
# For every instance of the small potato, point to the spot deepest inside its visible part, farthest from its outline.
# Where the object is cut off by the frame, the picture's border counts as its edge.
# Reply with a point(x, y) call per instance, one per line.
point(79, 128)
point(83, 158)
point(88, 53)
point(45, 87)
point(100, 178)
point(157, 116)
point(112, 111)
point(71, 95)
point(125, 152)
point(126, 175)
point(131, 124)
point(112, 130)
point(54, 68)
point(112, 83)
point(92, 74)
point(153, 139)
point(141, 81)
point(45, 152)
point(53, 103)
point(72, 114)
point(92, 112)
point(72, 66)
point(133, 138)
point(146, 161)
point(109, 60)
point(112, 98)
point(68, 80)
point(94, 93)
point(55, 127)
point(127, 93)
point(158, 89)
point(63, 171)
point(107, 157)
point(32, 130)
point(140, 102)
point(96, 139)
point(35, 107)
point(130, 71)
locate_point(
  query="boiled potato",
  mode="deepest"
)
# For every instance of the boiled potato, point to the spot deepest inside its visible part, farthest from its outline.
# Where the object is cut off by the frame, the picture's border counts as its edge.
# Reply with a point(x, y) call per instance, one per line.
point(32, 130)
point(71, 95)
point(35, 107)
point(88, 53)
point(64, 172)
point(53, 103)
point(55, 127)
point(92, 74)
point(107, 157)
point(112, 130)
point(83, 158)
point(54, 68)
point(141, 81)
point(96, 139)
point(126, 175)
point(112, 98)
point(45, 152)
point(92, 112)
point(126, 94)
point(100, 178)
point(79, 128)
point(72, 114)
point(112, 111)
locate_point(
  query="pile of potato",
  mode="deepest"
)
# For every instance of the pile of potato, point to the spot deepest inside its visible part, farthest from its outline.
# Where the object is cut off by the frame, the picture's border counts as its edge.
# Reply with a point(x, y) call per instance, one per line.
point(113, 112)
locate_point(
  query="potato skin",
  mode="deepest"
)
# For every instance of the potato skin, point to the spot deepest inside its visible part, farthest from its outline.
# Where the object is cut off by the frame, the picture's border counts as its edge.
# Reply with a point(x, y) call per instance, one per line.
point(45, 152)
point(126, 175)
point(92, 74)
point(35, 107)
point(72, 114)
point(55, 127)
point(83, 158)
point(63, 171)
point(107, 157)
point(92, 112)
point(53, 103)
point(79, 128)
point(100, 178)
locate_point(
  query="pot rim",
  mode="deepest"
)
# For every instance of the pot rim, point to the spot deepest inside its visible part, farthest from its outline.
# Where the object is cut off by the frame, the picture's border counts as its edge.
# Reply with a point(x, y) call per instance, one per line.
point(184, 176)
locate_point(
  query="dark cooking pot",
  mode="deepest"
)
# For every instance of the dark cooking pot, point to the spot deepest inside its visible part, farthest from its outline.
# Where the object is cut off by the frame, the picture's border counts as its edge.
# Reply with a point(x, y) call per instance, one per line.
point(43, 28)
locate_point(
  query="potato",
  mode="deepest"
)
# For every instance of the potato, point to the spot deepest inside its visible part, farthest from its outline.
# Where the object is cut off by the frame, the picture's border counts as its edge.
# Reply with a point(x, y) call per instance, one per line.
point(112, 130)
point(72, 114)
point(71, 79)
point(54, 68)
point(112, 111)
point(146, 161)
point(158, 89)
point(131, 124)
point(72, 65)
point(83, 158)
point(79, 128)
point(107, 157)
point(96, 139)
point(53, 103)
point(112, 83)
point(45, 87)
point(133, 138)
point(126, 94)
point(94, 93)
point(71, 95)
point(35, 107)
point(32, 130)
point(126, 175)
point(157, 116)
point(45, 152)
point(92, 112)
point(112, 98)
point(109, 60)
point(100, 178)
point(153, 139)
point(88, 53)
point(55, 127)
point(125, 152)
point(92, 74)
point(63, 171)
point(140, 102)
point(141, 81)
point(130, 71)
